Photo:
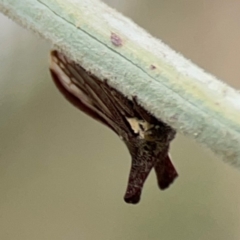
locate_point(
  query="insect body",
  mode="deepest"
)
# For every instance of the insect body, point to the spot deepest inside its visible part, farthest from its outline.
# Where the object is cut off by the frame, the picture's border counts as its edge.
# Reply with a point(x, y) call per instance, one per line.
point(146, 137)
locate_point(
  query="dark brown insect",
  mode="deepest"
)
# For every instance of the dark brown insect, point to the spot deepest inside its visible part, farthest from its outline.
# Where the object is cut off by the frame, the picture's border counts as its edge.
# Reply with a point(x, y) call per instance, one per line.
point(146, 137)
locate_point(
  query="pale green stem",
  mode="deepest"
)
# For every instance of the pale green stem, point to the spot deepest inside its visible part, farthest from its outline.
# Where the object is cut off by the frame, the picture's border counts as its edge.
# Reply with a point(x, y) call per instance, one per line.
point(112, 47)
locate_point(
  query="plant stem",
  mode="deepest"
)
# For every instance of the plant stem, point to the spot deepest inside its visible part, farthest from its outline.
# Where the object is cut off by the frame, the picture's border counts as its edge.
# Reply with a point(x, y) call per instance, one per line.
point(166, 84)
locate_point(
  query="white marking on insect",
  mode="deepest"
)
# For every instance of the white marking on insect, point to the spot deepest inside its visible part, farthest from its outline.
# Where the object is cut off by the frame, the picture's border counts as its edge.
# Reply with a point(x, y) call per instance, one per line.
point(140, 127)
point(71, 87)
point(67, 83)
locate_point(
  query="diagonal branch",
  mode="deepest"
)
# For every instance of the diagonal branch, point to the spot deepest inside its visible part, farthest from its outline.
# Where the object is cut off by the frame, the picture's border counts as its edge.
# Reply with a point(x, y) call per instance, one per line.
point(167, 85)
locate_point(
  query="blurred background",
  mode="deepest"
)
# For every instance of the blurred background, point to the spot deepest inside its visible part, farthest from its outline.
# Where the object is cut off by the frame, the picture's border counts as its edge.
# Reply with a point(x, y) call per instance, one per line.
point(63, 175)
